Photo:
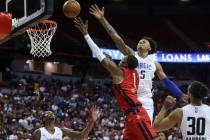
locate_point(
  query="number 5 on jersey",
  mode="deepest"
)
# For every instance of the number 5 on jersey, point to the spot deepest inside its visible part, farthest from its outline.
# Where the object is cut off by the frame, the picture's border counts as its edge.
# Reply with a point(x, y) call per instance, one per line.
point(143, 73)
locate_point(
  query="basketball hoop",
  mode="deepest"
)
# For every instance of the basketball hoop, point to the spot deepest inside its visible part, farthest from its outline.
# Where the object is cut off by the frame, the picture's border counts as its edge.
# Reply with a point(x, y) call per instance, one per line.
point(41, 36)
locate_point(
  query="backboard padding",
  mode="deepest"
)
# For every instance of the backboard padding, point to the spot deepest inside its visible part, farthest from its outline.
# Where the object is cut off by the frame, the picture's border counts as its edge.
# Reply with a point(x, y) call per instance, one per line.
point(27, 13)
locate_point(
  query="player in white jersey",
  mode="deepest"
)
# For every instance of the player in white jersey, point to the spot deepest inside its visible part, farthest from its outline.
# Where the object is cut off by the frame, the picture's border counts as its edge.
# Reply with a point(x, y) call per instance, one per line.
point(193, 119)
point(147, 64)
point(51, 132)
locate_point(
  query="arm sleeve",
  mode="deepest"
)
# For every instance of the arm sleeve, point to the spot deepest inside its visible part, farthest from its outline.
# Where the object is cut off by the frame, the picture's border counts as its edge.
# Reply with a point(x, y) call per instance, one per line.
point(172, 87)
point(94, 48)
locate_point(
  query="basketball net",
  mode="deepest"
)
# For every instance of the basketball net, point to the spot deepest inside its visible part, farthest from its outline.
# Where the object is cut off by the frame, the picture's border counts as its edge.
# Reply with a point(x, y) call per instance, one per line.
point(41, 36)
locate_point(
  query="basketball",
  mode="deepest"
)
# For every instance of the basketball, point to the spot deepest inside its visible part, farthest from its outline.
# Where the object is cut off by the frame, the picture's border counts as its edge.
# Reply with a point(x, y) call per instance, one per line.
point(71, 8)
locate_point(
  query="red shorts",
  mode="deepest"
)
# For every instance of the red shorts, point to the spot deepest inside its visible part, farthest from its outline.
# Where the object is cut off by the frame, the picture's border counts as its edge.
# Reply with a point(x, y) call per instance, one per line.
point(138, 126)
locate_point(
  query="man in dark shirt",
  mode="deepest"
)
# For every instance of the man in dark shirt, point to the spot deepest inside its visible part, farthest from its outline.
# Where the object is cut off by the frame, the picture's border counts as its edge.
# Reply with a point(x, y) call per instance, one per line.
point(3, 133)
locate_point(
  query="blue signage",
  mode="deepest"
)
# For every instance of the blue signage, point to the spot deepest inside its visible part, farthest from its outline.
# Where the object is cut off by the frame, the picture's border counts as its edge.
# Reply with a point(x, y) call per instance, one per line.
point(167, 57)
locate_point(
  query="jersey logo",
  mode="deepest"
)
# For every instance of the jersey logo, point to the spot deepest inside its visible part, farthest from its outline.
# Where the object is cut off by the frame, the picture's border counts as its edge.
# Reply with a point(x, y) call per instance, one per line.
point(196, 110)
point(145, 66)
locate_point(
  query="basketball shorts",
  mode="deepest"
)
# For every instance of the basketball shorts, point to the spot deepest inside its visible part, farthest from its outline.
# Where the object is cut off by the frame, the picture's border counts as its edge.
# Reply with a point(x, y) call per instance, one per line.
point(148, 105)
point(138, 126)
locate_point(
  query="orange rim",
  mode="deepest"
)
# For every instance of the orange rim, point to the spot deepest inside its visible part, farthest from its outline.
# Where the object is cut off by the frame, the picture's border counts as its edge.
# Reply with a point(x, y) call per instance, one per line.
point(48, 21)
point(43, 30)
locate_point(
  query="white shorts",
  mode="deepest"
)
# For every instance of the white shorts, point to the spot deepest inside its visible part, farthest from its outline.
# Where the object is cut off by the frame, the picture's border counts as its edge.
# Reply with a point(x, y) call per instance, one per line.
point(148, 105)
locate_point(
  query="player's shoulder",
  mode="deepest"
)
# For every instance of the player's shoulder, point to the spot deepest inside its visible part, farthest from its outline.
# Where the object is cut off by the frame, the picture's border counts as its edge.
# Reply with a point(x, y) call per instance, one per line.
point(58, 129)
point(37, 131)
point(36, 134)
point(178, 111)
point(205, 106)
point(186, 106)
point(149, 56)
point(66, 131)
point(152, 57)
point(176, 115)
point(136, 54)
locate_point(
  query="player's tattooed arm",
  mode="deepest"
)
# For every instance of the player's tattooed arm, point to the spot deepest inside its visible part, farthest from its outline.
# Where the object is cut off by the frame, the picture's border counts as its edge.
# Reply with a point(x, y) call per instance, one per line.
point(159, 71)
point(119, 42)
point(163, 122)
point(170, 84)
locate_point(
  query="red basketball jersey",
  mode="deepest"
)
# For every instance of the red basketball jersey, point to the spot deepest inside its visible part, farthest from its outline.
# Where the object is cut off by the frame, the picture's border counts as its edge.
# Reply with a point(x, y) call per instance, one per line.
point(126, 91)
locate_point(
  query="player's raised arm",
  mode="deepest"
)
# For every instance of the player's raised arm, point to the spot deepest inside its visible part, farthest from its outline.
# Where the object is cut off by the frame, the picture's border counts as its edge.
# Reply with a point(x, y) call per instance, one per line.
point(106, 62)
point(170, 85)
point(99, 14)
point(94, 113)
point(163, 122)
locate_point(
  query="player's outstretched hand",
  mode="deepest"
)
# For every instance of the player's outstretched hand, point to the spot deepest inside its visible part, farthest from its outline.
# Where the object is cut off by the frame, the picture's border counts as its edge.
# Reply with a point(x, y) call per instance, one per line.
point(94, 113)
point(184, 98)
point(81, 26)
point(96, 12)
point(170, 102)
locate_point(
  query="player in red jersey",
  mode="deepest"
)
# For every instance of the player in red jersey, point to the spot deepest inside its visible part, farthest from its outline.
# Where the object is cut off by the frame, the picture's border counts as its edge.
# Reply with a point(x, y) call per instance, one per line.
point(125, 85)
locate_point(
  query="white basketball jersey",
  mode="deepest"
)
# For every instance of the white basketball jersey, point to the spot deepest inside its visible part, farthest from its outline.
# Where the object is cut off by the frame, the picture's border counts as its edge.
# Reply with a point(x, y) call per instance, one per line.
point(45, 135)
point(146, 69)
point(196, 122)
